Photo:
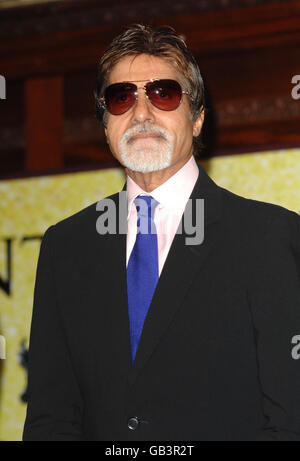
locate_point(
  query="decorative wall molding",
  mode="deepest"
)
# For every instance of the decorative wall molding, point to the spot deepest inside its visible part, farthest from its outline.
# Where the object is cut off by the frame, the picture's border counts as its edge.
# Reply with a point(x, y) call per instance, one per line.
point(83, 130)
point(12, 137)
point(236, 114)
point(254, 110)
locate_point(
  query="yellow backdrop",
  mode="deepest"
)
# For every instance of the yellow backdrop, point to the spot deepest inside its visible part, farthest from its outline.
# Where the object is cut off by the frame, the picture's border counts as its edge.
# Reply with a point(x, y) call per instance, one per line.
point(29, 206)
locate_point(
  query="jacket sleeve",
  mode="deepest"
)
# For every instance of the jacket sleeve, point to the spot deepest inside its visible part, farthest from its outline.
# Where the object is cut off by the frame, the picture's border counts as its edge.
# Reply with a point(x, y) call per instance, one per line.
point(275, 301)
point(54, 403)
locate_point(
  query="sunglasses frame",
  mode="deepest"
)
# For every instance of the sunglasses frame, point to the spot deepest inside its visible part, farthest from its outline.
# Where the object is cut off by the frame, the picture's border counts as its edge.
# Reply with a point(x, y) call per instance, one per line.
point(152, 80)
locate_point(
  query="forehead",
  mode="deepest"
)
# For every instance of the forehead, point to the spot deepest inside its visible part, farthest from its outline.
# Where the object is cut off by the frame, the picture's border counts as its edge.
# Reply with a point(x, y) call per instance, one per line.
point(142, 67)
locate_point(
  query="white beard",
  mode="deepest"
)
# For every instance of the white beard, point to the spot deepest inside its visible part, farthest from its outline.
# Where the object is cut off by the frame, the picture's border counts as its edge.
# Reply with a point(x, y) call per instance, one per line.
point(146, 154)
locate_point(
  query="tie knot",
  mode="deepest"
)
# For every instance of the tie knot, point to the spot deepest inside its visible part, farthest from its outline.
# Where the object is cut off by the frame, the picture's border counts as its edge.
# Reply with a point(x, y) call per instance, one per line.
point(145, 205)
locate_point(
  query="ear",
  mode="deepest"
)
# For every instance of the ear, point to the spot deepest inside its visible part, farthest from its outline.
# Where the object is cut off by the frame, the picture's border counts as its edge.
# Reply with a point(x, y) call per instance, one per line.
point(198, 123)
point(106, 137)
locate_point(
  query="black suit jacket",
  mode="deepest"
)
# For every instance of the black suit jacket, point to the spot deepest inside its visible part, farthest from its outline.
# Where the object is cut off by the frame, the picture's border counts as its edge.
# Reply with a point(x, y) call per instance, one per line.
point(215, 360)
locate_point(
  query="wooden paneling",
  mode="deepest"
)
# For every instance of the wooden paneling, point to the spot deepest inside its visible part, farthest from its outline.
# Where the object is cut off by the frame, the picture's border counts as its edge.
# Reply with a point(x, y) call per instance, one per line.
point(44, 123)
point(211, 33)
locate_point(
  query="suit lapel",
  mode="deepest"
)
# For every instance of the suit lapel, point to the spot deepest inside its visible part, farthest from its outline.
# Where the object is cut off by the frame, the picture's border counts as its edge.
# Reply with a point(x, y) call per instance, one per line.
point(181, 266)
point(110, 249)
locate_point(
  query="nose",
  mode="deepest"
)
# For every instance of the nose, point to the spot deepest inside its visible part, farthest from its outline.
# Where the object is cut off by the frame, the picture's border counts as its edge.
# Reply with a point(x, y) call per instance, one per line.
point(142, 109)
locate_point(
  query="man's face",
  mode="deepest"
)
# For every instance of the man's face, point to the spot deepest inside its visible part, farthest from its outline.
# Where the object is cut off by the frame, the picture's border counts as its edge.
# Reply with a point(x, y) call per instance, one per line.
point(146, 138)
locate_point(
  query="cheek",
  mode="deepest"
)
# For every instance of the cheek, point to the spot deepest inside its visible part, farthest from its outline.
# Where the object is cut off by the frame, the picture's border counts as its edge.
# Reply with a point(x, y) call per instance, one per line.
point(115, 130)
point(182, 131)
point(114, 145)
point(113, 136)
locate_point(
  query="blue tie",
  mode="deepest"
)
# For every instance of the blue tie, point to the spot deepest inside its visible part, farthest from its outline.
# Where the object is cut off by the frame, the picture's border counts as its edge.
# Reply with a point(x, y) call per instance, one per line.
point(142, 269)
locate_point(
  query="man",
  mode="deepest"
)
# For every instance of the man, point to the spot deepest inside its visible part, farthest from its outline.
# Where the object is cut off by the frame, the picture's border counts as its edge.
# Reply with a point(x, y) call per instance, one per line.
point(146, 335)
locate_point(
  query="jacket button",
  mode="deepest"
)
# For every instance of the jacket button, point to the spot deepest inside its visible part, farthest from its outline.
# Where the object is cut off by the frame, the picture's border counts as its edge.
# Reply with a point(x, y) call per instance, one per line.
point(133, 423)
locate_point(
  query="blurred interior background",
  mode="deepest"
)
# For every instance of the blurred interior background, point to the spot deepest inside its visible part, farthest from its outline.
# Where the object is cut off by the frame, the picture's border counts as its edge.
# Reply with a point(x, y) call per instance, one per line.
point(247, 50)
point(54, 159)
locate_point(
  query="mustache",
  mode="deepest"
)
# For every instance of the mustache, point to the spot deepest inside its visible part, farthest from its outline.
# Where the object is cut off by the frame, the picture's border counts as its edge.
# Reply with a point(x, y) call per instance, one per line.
point(144, 128)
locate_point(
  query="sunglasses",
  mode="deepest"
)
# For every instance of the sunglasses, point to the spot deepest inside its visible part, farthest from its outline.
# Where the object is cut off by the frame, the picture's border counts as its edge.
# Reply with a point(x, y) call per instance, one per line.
point(165, 94)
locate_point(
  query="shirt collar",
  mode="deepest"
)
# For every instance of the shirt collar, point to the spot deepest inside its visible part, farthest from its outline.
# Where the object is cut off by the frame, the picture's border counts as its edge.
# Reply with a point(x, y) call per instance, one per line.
point(172, 194)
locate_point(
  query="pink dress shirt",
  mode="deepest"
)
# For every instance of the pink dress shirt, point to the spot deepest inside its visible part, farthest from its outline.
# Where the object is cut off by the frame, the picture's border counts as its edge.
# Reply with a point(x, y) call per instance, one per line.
point(172, 197)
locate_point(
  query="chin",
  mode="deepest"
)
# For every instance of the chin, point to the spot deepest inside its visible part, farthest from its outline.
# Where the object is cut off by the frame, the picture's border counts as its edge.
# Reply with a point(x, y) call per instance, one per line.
point(146, 161)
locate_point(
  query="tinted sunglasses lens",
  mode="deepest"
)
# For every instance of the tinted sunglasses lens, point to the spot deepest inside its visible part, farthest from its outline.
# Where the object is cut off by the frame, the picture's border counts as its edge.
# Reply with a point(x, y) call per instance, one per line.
point(119, 97)
point(164, 94)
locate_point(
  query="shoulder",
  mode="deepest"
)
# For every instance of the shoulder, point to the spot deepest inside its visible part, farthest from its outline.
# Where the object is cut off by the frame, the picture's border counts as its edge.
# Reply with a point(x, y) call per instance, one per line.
point(257, 217)
point(82, 223)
